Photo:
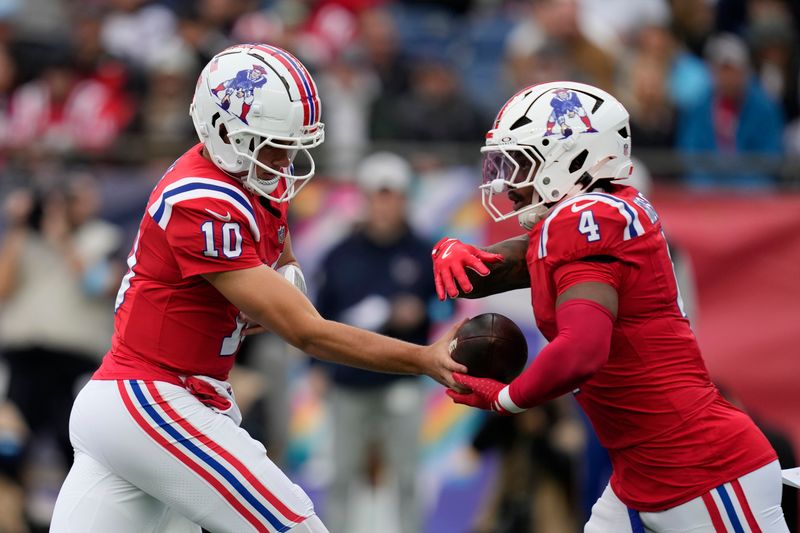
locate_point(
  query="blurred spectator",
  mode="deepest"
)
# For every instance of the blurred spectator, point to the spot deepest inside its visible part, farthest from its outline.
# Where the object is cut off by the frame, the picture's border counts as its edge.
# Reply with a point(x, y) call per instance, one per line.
point(792, 139)
point(58, 112)
point(378, 36)
point(556, 22)
point(40, 23)
point(524, 68)
point(330, 28)
point(435, 109)
point(453, 6)
point(378, 278)
point(8, 74)
point(777, 62)
point(170, 86)
point(205, 39)
point(92, 60)
point(652, 116)
point(350, 87)
point(736, 117)
point(657, 79)
point(223, 14)
point(613, 24)
point(693, 23)
point(687, 77)
point(137, 31)
point(535, 490)
point(57, 277)
point(13, 440)
point(260, 26)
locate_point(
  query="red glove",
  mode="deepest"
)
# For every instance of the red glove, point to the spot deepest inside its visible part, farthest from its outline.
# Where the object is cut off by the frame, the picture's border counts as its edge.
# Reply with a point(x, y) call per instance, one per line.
point(485, 393)
point(451, 258)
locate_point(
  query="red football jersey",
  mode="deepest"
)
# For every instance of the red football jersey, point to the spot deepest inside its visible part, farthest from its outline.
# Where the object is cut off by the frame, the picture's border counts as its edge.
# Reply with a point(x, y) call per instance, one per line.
point(670, 434)
point(169, 320)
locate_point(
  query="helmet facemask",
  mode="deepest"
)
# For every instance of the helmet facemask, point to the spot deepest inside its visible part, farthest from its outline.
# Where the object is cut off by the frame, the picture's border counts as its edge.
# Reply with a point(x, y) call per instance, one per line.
point(506, 168)
point(263, 179)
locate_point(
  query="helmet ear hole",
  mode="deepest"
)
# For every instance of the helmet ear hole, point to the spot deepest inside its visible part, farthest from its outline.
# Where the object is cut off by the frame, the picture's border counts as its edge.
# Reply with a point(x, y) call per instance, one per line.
point(223, 134)
point(578, 161)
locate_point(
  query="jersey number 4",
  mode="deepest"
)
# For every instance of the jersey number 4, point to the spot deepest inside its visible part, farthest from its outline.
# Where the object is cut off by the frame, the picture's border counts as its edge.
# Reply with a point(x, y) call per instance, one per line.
point(587, 226)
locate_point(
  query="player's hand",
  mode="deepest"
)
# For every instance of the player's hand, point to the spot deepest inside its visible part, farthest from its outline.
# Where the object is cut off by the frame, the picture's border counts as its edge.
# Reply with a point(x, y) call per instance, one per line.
point(437, 361)
point(451, 258)
point(483, 393)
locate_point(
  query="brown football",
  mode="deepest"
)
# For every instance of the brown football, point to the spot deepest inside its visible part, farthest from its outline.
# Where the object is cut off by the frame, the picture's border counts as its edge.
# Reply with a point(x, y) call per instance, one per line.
point(490, 346)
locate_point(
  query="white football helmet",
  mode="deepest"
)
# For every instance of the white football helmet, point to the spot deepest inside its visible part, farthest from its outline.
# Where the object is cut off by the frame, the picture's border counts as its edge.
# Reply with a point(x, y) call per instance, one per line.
point(560, 137)
point(254, 95)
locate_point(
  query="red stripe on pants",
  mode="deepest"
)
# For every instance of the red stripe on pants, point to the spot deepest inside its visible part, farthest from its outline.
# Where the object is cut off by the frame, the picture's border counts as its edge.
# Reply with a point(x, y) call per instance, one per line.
point(713, 512)
point(748, 513)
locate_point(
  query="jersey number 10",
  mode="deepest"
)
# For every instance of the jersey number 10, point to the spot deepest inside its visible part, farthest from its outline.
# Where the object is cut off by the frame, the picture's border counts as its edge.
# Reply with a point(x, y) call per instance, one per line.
point(231, 240)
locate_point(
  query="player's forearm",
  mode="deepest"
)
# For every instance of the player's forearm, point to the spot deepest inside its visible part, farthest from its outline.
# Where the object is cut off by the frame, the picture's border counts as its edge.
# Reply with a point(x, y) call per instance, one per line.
point(580, 349)
point(266, 297)
point(347, 345)
point(509, 274)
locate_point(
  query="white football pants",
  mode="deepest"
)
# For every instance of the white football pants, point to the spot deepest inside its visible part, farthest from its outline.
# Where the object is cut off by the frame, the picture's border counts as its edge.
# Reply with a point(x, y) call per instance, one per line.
point(750, 504)
point(149, 457)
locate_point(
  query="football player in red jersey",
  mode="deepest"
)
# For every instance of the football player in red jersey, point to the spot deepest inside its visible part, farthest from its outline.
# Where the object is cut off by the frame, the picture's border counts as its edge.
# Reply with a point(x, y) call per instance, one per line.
point(604, 295)
point(156, 431)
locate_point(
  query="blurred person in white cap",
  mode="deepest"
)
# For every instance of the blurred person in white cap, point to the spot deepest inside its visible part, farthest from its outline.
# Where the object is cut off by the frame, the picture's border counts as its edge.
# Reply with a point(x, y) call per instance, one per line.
point(377, 278)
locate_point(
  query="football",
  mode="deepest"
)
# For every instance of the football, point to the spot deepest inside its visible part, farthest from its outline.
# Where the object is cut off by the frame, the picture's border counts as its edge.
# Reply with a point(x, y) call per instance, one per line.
point(490, 346)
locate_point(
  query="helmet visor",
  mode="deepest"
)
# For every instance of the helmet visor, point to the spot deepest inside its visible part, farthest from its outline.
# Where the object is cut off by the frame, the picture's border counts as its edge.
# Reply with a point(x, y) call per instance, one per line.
point(507, 168)
point(515, 167)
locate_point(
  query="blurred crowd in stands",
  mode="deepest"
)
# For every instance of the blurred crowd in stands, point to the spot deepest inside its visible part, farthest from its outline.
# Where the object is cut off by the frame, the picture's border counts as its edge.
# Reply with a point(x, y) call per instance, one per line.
point(80, 78)
point(94, 98)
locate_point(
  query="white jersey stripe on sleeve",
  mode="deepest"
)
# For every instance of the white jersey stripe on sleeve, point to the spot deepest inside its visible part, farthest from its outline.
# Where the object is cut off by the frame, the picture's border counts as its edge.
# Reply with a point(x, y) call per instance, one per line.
point(193, 188)
point(633, 228)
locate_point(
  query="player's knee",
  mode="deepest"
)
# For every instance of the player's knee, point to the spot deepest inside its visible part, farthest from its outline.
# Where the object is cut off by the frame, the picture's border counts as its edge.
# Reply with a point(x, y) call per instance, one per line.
point(312, 524)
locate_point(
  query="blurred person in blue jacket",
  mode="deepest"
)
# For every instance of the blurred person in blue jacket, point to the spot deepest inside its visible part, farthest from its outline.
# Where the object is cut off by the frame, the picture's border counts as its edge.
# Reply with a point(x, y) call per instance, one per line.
point(377, 278)
point(736, 117)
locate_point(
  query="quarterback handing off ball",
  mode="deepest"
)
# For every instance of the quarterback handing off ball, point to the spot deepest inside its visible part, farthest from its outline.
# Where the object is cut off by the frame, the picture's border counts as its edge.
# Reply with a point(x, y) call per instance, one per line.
point(491, 346)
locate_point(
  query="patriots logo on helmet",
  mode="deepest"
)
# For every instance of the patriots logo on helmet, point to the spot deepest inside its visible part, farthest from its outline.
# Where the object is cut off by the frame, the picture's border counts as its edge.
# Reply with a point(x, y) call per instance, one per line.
point(567, 105)
point(243, 87)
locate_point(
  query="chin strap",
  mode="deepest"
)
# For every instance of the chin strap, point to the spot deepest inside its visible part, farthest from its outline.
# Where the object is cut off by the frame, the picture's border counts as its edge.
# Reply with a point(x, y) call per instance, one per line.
point(528, 219)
